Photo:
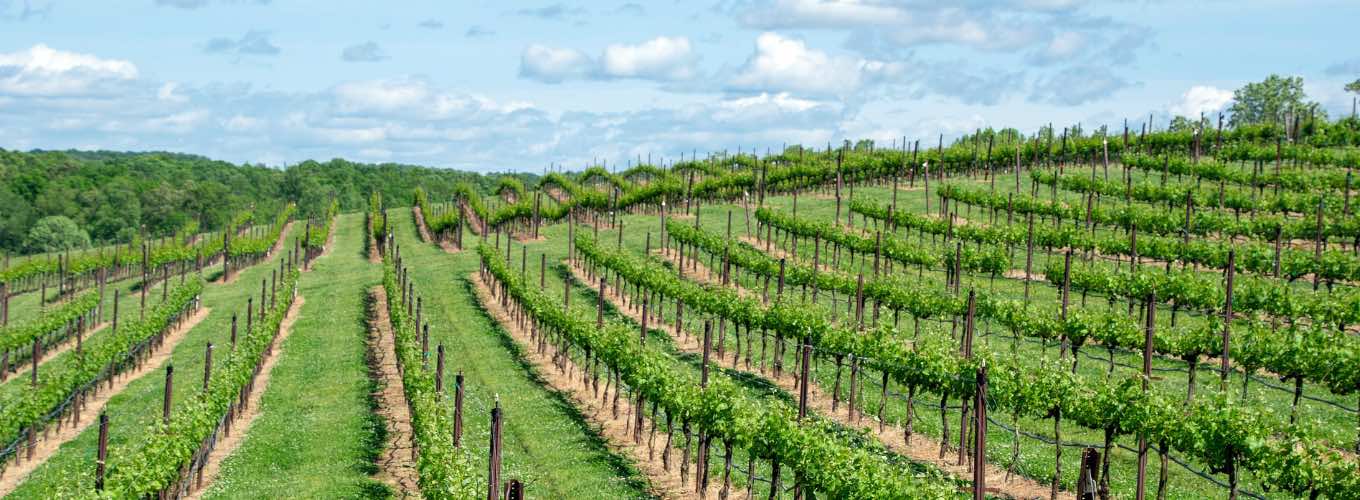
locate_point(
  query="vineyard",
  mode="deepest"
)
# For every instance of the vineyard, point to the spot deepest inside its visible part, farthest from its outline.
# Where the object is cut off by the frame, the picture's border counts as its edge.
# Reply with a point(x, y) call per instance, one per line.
point(1119, 315)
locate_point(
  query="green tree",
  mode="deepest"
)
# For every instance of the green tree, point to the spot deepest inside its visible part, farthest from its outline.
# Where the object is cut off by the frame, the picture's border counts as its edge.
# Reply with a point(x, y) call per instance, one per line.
point(55, 233)
point(1268, 101)
point(1181, 123)
point(1353, 86)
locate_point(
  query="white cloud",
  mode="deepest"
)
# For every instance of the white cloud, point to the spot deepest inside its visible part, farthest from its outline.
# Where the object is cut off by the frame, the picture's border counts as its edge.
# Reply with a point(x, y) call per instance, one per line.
point(167, 93)
point(553, 65)
point(822, 14)
point(781, 63)
point(661, 58)
point(781, 101)
point(44, 71)
point(1202, 99)
point(998, 26)
point(416, 99)
point(177, 123)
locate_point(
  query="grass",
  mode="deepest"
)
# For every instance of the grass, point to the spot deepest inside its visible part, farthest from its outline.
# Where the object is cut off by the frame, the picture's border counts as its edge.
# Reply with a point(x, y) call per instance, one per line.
point(316, 437)
point(548, 444)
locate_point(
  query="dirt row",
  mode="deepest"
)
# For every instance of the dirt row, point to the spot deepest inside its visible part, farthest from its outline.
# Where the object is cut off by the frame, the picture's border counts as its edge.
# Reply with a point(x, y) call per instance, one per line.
point(396, 465)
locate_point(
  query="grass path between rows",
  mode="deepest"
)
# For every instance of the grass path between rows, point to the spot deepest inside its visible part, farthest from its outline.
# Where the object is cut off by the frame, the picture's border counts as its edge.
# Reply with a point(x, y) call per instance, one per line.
point(548, 443)
point(315, 436)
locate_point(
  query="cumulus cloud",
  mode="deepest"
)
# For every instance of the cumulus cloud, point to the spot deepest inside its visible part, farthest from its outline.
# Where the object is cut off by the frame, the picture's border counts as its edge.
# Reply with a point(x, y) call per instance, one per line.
point(553, 65)
point(254, 42)
point(661, 58)
point(363, 52)
point(44, 71)
point(781, 63)
point(167, 93)
point(1077, 85)
point(979, 25)
point(1201, 99)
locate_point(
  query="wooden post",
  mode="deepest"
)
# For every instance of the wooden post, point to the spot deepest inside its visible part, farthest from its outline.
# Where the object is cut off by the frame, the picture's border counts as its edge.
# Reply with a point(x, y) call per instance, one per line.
point(599, 306)
point(515, 491)
point(458, 409)
point(1086, 481)
point(1319, 244)
point(233, 331)
point(117, 294)
point(4, 303)
point(207, 366)
point(803, 380)
point(169, 389)
point(102, 456)
point(37, 353)
point(494, 462)
point(1149, 331)
point(708, 347)
point(439, 370)
point(980, 436)
point(1227, 317)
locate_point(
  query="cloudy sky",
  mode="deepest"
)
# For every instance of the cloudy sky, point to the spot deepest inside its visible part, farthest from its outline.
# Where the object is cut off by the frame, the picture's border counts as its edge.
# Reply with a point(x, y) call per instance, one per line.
point(511, 85)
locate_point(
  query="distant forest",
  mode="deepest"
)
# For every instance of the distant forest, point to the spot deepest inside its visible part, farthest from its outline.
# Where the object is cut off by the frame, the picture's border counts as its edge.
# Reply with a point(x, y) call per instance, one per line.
point(113, 196)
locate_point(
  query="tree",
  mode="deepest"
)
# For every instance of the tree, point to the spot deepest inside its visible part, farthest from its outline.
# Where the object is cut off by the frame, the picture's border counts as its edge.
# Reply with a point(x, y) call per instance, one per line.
point(1182, 123)
point(1270, 100)
point(1353, 86)
point(55, 233)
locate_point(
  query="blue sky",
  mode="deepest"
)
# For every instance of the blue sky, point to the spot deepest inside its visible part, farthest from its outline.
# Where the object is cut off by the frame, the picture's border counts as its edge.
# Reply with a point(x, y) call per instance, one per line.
point(524, 85)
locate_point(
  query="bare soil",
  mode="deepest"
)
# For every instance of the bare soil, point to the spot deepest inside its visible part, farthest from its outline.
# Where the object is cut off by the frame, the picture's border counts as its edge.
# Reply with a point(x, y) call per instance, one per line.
point(395, 465)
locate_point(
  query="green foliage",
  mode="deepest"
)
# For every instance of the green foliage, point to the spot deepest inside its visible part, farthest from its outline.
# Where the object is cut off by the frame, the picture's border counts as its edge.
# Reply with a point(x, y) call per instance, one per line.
point(152, 463)
point(55, 233)
point(824, 462)
point(59, 379)
point(1269, 100)
point(20, 335)
point(115, 195)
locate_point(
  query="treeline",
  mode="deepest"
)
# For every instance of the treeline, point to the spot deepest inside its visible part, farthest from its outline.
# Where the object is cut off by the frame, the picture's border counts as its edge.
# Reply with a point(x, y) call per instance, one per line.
point(113, 196)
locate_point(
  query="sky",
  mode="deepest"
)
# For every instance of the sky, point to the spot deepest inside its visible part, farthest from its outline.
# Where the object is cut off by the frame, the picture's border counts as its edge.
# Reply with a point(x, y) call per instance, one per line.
point(525, 86)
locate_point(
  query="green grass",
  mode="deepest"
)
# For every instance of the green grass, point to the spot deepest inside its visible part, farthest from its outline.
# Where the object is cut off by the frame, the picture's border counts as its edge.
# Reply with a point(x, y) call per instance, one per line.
point(548, 444)
point(315, 436)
